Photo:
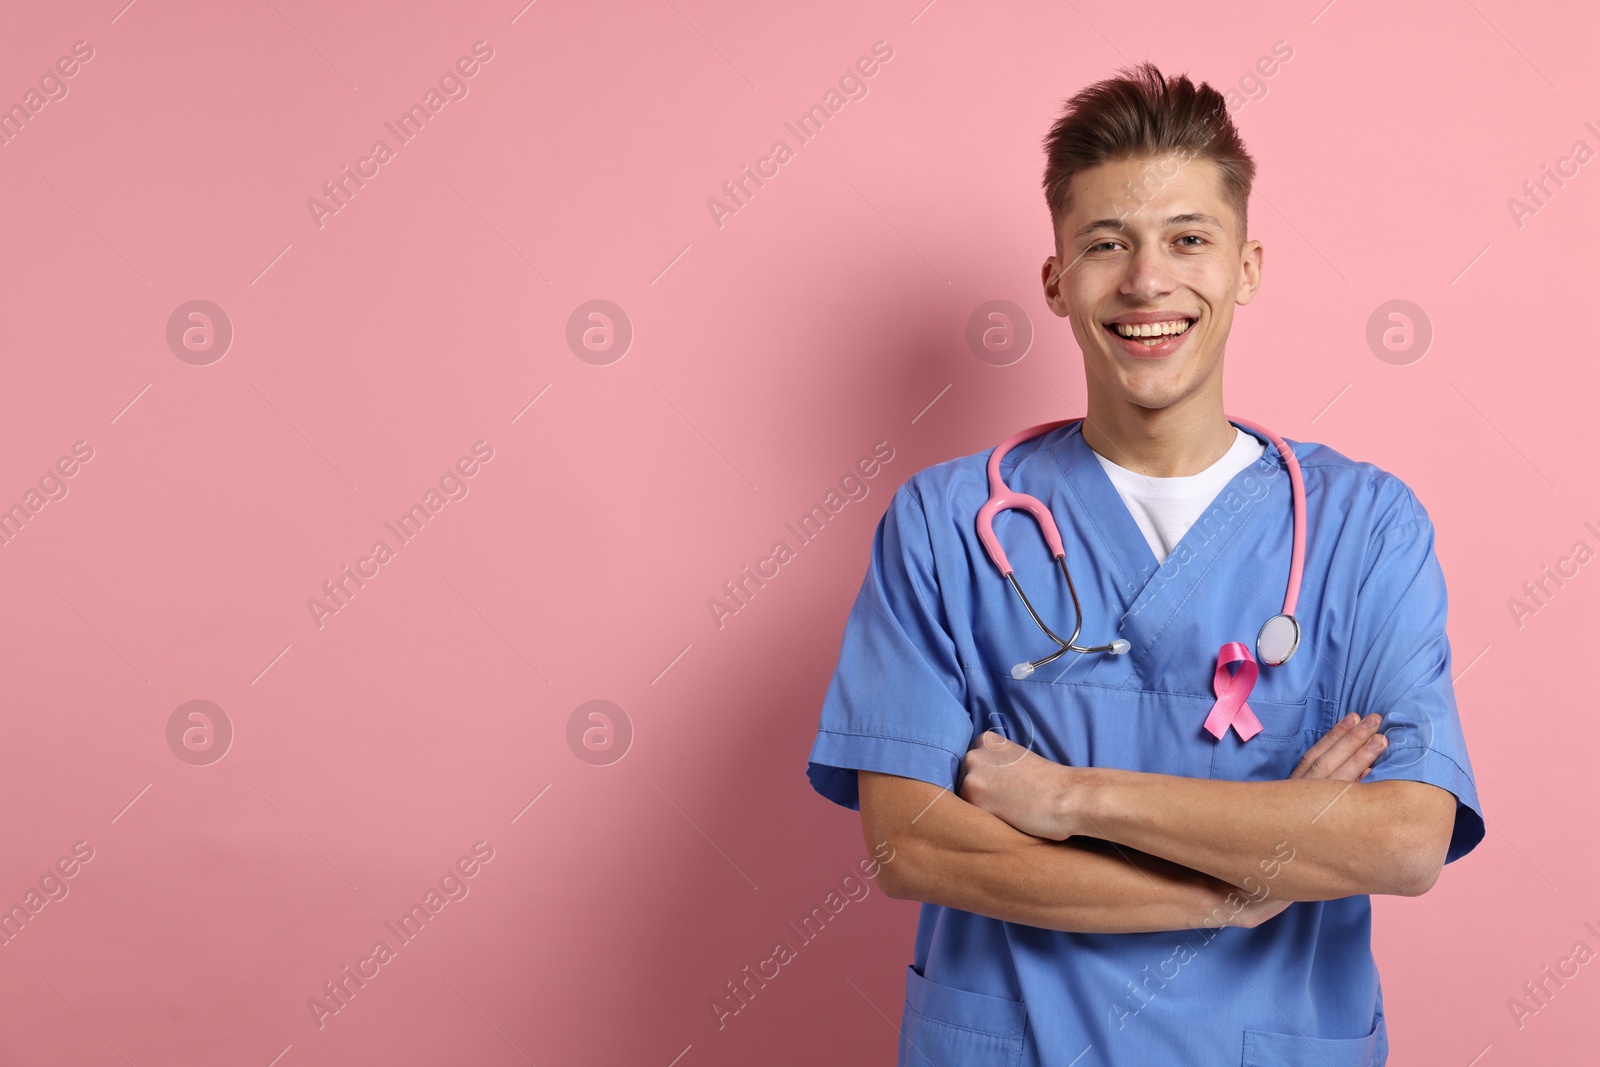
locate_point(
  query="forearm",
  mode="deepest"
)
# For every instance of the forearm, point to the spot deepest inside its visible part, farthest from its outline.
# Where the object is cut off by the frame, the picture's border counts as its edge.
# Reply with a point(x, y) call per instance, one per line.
point(960, 856)
point(1346, 838)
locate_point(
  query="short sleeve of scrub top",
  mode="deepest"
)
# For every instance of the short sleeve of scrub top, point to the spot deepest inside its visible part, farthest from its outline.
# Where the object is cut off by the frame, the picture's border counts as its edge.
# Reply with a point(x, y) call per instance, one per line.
point(1400, 667)
point(896, 703)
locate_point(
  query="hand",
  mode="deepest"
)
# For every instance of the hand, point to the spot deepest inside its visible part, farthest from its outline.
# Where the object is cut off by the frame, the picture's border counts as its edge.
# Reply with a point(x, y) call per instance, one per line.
point(1346, 752)
point(1019, 786)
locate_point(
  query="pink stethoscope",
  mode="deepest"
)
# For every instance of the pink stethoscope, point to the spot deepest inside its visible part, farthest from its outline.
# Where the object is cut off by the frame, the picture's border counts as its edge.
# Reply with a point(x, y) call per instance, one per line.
point(1275, 643)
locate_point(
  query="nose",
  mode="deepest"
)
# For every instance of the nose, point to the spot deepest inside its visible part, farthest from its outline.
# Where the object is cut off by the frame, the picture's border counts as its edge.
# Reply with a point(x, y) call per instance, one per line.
point(1149, 276)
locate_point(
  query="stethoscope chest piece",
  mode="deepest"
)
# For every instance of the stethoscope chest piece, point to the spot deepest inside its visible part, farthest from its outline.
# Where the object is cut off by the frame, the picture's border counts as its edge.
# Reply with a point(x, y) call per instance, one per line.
point(1278, 639)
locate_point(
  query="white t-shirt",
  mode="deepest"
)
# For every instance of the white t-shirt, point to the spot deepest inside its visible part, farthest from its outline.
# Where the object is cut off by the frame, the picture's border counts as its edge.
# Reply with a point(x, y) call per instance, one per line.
point(1165, 508)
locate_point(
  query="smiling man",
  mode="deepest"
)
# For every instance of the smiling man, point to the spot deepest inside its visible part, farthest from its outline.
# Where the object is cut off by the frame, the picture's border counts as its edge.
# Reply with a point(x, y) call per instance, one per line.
point(1153, 847)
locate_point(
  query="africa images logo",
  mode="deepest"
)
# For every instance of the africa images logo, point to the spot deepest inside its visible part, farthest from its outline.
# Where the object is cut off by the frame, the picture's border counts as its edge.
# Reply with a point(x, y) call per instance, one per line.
point(452, 886)
point(741, 590)
point(852, 85)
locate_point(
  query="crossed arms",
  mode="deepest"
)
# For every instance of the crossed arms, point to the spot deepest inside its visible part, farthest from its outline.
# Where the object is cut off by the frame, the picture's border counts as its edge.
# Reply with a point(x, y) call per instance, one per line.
point(1097, 850)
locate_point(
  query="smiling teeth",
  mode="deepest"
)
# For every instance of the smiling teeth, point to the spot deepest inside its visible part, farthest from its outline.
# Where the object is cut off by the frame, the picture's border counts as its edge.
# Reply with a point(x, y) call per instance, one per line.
point(1152, 329)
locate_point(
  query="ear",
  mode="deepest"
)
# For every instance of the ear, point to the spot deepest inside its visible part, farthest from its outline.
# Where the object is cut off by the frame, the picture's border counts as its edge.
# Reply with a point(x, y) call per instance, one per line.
point(1050, 274)
point(1251, 256)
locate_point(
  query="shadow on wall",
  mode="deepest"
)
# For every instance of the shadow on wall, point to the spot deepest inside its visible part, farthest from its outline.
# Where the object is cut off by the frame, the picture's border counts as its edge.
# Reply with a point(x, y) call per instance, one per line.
point(756, 712)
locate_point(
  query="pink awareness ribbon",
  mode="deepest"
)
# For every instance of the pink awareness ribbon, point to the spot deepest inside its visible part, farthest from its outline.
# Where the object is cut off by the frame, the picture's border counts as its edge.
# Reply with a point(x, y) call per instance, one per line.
point(1231, 689)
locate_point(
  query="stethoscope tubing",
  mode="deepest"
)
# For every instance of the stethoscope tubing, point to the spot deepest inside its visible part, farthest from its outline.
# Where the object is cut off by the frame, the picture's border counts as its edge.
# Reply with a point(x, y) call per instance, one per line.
point(1003, 498)
point(1297, 494)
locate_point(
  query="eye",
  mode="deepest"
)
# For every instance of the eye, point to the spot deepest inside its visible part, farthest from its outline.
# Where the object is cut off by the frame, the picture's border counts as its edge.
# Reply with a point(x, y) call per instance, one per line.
point(1193, 237)
point(1102, 244)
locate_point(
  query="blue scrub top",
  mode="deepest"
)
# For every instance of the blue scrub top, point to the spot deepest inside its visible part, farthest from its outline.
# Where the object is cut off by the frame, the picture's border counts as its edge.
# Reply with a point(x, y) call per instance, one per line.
point(925, 668)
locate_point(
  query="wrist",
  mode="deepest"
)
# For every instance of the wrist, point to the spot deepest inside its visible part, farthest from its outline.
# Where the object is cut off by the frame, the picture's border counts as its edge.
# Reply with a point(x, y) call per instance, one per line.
point(1211, 908)
point(1077, 801)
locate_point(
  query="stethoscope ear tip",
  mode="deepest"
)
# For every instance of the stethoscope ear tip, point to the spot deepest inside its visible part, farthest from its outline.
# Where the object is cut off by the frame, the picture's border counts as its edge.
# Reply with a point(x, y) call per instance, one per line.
point(1119, 646)
point(1021, 671)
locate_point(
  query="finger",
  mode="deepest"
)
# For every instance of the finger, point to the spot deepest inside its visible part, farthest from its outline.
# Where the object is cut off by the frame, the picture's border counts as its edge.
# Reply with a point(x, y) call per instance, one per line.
point(1348, 747)
point(1343, 748)
point(990, 748)
point(995, 749)
point(1360, 761)
point(1326, 742)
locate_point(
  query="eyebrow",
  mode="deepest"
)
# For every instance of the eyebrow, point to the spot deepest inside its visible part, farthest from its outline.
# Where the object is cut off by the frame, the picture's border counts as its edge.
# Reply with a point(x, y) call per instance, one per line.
point(1191, 218)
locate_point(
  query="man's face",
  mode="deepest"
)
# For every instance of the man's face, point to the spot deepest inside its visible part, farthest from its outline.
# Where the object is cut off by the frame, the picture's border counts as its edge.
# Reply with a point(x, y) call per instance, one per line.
point(1151, 239)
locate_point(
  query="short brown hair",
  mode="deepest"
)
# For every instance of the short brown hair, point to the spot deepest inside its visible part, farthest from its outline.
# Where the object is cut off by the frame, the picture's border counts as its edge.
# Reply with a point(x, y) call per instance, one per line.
point(1139, 113)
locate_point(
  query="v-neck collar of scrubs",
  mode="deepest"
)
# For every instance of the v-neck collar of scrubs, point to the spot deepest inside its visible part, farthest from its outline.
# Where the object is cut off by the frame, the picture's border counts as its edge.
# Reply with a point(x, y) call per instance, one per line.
point(1084, 490)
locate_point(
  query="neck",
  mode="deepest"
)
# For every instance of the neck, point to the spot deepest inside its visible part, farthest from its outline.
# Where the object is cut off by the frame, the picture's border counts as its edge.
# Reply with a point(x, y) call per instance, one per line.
point(1171, 442)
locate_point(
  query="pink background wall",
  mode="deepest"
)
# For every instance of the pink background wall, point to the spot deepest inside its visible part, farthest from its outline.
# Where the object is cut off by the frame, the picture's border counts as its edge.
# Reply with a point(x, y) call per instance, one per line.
point(373, 750)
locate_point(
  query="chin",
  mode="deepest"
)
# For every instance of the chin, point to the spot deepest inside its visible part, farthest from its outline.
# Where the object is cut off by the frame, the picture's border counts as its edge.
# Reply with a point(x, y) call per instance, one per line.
point(1153, 395)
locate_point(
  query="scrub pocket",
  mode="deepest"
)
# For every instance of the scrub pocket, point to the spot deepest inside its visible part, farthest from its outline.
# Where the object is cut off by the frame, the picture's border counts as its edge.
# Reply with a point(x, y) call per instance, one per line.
point(949, 1027)
point(1085, 725)
point(1287, 731)
point(1263, 1049)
